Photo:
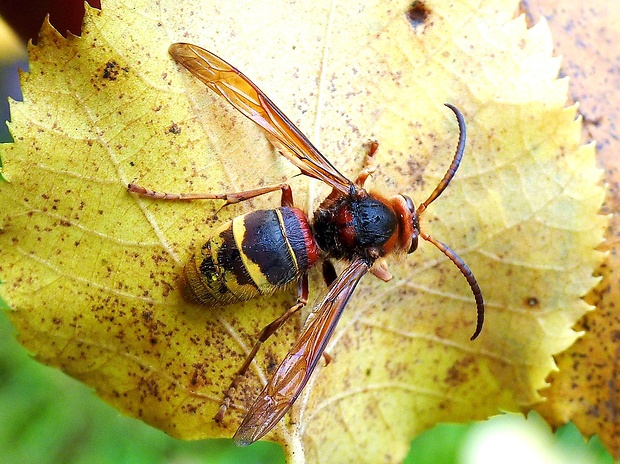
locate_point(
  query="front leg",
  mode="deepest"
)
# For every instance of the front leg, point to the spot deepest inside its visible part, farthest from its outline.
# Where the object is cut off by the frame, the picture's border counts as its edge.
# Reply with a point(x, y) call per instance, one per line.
point(368, 169)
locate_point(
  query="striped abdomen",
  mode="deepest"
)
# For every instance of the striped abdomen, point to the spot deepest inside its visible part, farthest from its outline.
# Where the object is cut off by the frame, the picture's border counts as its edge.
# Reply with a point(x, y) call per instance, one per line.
point(253, 254)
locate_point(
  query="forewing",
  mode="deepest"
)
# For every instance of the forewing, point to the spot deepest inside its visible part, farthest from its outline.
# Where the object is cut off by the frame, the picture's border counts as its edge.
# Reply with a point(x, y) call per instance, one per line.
point(241, 93)
point(293, 373)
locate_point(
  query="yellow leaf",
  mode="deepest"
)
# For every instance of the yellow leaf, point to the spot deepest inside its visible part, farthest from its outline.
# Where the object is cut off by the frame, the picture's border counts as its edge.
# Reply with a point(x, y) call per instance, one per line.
point(584, 389)
point(91, 271)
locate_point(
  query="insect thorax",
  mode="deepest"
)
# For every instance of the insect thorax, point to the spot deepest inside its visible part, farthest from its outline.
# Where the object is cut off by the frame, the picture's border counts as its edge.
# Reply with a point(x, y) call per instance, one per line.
point(353, 226)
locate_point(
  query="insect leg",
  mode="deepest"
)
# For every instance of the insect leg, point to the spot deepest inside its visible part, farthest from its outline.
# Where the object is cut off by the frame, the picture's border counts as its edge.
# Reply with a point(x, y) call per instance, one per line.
point(364, 174)
point(373, 145)
point(268, 331)
point(231, 198)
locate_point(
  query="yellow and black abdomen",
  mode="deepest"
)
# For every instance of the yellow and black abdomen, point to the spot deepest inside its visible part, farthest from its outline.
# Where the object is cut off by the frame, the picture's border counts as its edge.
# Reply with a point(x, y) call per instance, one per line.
point(252, 255)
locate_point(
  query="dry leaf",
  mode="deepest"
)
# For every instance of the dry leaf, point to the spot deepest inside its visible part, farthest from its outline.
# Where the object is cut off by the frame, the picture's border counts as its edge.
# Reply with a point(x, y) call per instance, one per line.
point(584, 389)
point(91, 271)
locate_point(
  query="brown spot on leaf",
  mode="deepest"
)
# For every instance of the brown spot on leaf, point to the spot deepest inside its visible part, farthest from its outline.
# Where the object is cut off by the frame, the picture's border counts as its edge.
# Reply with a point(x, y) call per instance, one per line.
point(532, 302)
point(460, 371)
point(110, 70)
point(417, 14)
point(174, 129)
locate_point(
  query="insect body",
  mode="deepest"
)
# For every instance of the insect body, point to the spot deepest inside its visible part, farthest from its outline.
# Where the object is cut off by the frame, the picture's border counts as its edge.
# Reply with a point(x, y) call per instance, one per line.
point(253, 254)
point(264, 250)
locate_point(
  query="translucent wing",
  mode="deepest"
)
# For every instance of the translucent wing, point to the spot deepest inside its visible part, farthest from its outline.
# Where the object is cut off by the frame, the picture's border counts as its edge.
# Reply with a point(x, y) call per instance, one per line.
point(241, 93)
point(293, 373)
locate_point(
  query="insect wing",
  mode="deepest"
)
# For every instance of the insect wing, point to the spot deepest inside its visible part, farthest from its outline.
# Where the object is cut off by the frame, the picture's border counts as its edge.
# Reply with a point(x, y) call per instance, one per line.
point(293, 373)
point(240, 92)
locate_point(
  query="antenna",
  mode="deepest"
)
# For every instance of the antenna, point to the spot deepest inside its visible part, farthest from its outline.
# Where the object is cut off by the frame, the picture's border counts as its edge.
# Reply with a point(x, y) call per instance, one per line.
point(460, 149)
point(445, 249)
point(471, 279)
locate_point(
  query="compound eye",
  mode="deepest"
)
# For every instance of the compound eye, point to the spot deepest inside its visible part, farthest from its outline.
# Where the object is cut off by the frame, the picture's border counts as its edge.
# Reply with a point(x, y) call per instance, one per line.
point(414, 244)
point(409, 203)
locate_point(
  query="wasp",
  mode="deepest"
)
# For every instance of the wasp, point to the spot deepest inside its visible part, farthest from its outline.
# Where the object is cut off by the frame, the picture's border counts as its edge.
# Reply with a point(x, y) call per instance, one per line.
point(265, 250)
